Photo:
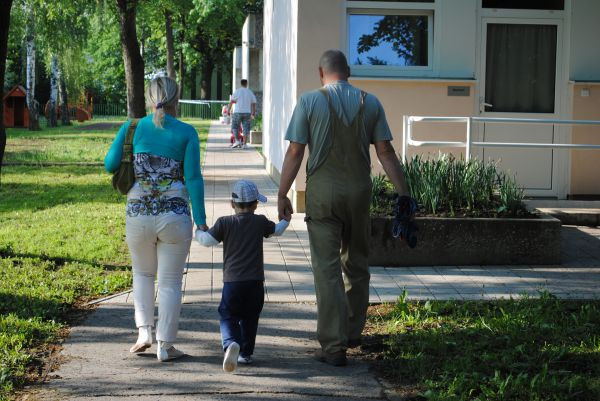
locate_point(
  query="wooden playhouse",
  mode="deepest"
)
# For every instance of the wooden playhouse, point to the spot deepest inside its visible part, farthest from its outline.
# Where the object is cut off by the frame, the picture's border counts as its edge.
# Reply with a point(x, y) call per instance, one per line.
point(16, 113)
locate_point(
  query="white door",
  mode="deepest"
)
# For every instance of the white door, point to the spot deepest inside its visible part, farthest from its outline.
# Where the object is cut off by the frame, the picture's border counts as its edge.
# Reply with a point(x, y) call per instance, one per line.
point(520, 75)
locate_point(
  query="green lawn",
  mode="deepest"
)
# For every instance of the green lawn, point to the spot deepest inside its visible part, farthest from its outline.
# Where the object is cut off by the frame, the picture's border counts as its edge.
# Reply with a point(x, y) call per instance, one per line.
point(74, 144)
point(527, 349)
point(62, 231)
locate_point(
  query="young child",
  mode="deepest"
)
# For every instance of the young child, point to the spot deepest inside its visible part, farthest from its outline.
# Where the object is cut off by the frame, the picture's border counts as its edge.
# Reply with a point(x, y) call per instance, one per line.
point(243, 271)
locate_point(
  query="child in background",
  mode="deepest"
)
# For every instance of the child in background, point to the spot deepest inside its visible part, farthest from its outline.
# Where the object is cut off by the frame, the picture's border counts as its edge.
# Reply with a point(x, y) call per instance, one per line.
point(243, 271)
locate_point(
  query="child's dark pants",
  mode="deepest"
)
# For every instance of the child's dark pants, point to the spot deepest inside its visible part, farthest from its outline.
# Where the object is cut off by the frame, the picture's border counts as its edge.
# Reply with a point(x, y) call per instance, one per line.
point(241, 304)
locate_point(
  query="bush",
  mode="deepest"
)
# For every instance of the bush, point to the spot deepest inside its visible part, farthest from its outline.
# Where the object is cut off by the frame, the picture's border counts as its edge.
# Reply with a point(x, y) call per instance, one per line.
point(257, 123)
point(447, 186)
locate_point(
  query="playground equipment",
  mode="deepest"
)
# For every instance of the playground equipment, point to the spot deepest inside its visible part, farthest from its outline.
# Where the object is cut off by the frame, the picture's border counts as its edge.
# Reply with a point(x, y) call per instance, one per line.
point(81, 112)
point(16, 113)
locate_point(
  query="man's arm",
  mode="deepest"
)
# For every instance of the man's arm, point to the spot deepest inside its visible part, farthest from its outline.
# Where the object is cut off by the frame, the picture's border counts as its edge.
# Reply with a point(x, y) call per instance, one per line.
point(391, 165)
point(253, 108)
point(291, 165)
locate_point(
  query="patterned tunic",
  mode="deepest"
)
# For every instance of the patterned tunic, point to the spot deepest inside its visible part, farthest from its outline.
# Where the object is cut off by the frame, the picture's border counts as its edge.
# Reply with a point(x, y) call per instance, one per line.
point(159, 187)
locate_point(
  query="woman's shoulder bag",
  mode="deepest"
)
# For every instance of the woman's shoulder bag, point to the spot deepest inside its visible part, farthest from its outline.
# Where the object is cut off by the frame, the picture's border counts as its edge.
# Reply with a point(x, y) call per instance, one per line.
point(124, 178)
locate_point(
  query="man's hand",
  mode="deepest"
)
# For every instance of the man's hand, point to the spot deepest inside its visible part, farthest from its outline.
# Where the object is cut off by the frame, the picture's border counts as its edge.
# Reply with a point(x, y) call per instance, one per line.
point(284, 207)
point(202, 227)
point(291, 165)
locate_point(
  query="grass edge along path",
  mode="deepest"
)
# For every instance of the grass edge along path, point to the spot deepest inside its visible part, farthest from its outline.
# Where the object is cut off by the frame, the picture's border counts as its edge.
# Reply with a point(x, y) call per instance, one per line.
point(61, 244)
point(525, 349)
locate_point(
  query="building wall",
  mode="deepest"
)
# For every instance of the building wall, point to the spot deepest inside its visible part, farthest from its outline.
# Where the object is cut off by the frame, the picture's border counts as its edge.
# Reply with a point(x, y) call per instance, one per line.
point(313, 26)
point(585, 32)
point(585, 71)
point(455, 57)
point(585, 164)
point(280, 55)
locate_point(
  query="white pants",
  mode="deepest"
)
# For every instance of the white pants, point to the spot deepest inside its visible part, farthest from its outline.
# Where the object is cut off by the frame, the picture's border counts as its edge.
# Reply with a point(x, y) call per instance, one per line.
point(158, 244)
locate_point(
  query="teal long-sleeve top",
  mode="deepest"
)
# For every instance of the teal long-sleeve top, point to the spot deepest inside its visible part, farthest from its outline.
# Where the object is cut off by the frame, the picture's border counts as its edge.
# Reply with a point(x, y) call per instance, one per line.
point(176, 140)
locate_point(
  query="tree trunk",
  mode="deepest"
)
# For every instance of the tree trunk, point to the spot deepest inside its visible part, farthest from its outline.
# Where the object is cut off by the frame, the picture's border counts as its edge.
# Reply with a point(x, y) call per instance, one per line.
point(4, 27)
point(132, 59)
point(208, 67)
point(181, 58)
point(193, 74)
point(32, 104)
point(170, 46)
point(219, 82)
point(65, 113)
point(53, 91)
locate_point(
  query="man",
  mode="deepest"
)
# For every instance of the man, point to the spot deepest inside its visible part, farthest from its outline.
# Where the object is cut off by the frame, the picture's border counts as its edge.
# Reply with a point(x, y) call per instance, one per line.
point(245, 111)
point(338, 122)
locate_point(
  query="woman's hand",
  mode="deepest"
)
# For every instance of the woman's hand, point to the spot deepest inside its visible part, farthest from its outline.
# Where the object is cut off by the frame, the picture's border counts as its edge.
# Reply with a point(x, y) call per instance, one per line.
point(202, 227)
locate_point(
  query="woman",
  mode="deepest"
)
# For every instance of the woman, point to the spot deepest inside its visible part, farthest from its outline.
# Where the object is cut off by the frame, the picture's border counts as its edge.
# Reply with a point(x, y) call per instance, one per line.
point(158, 223)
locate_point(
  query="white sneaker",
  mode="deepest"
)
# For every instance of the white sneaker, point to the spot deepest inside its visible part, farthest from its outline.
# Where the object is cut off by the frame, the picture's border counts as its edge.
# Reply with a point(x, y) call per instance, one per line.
point(245, 146)
point(231, 357)
point(167, 352)
point(245, 360)
point(233, 145)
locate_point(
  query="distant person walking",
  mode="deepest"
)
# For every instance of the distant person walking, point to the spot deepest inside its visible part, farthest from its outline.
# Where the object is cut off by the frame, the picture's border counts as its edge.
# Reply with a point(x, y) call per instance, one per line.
point(244, 112)
point(338, 122)
point(159, 227)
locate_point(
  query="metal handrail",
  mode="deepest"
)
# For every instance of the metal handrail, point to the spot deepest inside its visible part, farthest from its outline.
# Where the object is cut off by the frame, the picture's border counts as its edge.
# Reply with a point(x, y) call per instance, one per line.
point(468, 144)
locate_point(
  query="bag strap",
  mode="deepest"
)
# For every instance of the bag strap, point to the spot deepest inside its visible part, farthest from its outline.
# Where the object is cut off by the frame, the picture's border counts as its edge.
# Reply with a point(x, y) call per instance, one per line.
point(128, 144)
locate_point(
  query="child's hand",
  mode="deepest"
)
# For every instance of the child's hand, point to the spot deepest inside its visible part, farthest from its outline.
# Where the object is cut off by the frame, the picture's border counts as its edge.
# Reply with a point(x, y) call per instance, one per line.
point(202, 227)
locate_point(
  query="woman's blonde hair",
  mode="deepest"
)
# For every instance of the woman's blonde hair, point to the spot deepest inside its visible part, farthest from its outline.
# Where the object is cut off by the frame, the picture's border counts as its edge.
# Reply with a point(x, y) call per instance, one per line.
point(162, 93)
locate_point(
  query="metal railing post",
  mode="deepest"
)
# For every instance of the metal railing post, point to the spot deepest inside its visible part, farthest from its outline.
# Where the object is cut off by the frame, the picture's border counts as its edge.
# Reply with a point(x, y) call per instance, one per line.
point(404, 137)
point(468, 150)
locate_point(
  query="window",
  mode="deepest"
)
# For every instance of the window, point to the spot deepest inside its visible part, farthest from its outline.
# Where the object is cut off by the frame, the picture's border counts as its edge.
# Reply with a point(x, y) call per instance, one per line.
point(389, 42)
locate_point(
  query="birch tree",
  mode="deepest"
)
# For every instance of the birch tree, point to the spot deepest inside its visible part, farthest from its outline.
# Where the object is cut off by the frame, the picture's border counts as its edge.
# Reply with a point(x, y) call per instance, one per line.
point(54, 81)
point(32, 104)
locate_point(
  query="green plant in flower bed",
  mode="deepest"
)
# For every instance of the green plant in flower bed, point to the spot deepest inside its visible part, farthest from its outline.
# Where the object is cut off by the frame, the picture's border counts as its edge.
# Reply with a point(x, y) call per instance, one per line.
point(447, 186)
point(257, 123)
point(527, 349)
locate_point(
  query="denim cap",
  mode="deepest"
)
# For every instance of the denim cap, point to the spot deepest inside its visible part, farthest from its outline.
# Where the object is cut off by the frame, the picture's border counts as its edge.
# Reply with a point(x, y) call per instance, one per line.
point(246, 191)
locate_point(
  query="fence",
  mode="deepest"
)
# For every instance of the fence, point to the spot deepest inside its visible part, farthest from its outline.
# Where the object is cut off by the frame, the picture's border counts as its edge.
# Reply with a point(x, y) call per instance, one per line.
point(204, 109)
point(409, 121)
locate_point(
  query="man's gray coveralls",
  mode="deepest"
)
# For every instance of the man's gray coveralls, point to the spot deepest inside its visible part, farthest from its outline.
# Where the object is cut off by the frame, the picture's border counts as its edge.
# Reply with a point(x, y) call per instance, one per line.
point(339, 122)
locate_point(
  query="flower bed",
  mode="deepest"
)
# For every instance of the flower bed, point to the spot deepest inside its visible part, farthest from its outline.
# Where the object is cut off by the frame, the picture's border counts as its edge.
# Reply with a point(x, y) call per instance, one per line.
point(470, 214)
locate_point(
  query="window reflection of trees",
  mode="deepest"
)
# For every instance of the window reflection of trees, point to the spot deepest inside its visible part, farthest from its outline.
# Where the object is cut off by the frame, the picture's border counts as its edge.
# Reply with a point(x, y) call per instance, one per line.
point(407, 35)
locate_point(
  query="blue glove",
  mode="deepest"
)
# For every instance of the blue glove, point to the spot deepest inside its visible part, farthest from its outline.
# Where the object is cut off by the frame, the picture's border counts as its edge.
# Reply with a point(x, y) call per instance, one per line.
point(404, 226)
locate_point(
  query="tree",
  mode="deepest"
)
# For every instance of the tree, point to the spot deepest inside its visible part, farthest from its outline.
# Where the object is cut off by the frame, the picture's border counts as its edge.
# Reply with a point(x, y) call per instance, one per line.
point(32, 104)
point(215, 29)
point(132, 59)
point(170, 45)
point(64, 29)
point(407, 35)
point(4, 27)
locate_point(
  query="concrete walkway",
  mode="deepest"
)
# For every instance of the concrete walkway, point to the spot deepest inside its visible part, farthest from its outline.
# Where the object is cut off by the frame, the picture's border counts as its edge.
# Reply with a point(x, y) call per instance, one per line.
point(287, 258)
point(96, 363)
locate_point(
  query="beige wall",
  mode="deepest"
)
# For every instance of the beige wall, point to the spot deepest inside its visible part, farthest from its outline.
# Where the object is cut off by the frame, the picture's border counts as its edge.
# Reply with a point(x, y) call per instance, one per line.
point(319, 29)
point(585, 164)
point(423, 98)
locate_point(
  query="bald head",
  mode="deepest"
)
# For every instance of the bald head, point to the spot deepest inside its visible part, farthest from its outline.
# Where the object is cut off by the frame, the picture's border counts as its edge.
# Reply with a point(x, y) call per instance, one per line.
point(333, 64)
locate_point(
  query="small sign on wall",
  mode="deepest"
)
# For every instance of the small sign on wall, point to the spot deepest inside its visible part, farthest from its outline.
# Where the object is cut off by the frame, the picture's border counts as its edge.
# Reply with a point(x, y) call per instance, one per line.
point(459, 91)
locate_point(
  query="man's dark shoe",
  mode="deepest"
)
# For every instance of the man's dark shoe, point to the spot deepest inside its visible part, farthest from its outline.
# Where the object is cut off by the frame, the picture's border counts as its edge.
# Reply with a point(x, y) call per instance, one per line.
point(332, 358)
point(354, 342)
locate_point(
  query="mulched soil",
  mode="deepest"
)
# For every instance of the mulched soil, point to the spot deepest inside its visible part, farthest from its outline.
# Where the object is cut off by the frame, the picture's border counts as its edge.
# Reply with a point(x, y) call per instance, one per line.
point(372, 351)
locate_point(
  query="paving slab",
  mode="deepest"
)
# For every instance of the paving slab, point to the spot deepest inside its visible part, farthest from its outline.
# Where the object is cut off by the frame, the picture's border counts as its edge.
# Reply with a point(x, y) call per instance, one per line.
point(98, 365)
